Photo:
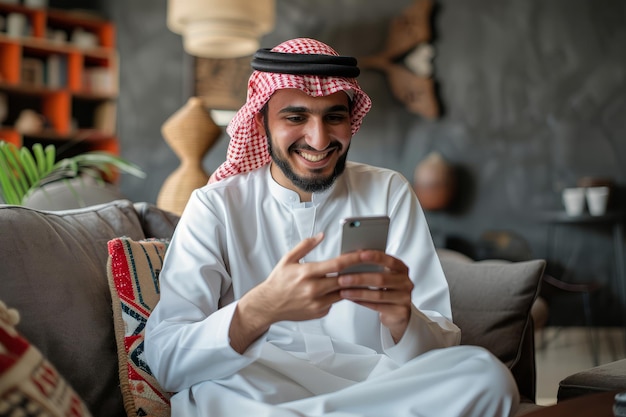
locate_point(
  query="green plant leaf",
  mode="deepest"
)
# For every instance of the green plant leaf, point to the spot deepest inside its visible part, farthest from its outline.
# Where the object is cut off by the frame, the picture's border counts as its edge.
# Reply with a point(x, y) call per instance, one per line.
point(102, 159)
point(29, 166)
point(40, 157)
point(51, 156)
point(9, 193)
point(14, 170)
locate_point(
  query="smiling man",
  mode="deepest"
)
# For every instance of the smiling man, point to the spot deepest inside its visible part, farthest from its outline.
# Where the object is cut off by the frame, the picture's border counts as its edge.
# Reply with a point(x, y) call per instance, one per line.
point(253, 318)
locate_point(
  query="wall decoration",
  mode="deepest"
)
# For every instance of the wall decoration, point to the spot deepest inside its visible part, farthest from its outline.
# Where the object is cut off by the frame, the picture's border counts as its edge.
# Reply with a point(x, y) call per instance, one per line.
point(406, 60)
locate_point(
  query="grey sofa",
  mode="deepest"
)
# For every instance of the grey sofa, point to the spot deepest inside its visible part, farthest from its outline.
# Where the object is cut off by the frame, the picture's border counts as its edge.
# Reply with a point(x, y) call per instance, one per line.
point(53, 271)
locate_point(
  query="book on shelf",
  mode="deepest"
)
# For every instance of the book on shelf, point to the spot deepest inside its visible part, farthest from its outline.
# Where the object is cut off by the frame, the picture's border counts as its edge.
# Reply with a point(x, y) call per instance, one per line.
point(56, 71)
point(32, 72)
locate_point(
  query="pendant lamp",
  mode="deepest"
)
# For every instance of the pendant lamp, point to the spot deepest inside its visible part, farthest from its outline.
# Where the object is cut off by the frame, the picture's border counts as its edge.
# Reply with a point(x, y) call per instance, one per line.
point(221, 28)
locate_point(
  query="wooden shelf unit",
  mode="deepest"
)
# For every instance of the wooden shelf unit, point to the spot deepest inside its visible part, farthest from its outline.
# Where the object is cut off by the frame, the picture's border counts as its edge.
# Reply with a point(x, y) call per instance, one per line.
point(73, 86)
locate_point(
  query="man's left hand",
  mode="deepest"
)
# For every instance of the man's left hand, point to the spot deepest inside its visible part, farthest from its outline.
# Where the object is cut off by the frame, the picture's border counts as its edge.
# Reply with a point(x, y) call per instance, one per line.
point(388, 292)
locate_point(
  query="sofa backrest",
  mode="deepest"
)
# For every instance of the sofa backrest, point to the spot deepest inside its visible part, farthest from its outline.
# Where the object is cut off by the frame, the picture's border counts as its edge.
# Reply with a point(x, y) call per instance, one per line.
point(53, 271)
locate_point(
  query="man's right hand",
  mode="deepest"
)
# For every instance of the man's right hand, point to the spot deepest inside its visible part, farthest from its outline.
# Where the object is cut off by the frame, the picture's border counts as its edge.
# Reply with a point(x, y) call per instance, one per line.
point(293, 291)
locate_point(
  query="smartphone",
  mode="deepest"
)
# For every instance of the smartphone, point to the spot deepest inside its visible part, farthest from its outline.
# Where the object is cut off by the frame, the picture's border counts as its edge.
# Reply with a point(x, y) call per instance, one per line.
point(359, 233)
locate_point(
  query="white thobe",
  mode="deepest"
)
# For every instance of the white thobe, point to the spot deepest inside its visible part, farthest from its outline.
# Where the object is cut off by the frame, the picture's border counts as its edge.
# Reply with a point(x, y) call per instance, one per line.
point(230, 237)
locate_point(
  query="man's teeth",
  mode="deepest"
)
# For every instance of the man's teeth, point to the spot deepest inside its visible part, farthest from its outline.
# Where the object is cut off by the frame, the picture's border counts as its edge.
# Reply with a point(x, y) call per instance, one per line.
point(313, 158)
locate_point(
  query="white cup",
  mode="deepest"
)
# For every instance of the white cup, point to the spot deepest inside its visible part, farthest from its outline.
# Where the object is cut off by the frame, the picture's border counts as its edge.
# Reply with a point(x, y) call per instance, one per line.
point(574, 200)
point(597, 199)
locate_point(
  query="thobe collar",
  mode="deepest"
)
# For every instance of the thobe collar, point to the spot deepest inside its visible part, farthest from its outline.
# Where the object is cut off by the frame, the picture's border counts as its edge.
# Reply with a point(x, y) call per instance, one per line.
point(291, 198)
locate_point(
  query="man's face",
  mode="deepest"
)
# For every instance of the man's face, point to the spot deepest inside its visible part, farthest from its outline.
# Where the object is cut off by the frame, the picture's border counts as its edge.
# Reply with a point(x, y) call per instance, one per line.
point(308, 139)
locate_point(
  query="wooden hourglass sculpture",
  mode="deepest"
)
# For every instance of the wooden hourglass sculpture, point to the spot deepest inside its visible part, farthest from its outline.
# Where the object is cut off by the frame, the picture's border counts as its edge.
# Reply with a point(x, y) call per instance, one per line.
point(190, 132)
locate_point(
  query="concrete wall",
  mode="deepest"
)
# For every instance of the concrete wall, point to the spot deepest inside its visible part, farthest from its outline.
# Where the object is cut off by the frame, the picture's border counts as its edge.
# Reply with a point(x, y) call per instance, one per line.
point(534, 97)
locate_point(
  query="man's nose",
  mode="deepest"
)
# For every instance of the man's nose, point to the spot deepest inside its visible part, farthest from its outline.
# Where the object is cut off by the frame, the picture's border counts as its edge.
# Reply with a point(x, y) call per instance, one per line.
point(317, 135)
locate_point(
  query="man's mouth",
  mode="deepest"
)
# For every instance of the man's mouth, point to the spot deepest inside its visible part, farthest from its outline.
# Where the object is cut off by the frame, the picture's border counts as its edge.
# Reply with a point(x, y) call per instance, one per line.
point(313, 157)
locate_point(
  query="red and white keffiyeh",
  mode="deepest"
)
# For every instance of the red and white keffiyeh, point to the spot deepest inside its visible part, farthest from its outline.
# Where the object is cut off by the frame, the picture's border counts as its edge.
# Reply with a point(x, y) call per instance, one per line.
point(247, 149)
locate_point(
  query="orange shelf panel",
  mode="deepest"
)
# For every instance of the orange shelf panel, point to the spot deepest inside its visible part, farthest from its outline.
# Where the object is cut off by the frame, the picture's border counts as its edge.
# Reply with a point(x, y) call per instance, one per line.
point(10, 55)
point(75, 63)
point(11, 136)
point(38, 22)
point(107, 35)
point(56, 108)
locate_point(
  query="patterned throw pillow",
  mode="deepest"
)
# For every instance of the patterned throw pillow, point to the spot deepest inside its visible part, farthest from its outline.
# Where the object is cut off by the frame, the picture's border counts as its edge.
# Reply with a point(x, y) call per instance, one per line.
point(30, 385)
point(133, 271)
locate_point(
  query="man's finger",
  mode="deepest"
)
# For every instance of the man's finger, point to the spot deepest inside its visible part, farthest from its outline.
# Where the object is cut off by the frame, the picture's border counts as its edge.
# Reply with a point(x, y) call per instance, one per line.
point(303, 248)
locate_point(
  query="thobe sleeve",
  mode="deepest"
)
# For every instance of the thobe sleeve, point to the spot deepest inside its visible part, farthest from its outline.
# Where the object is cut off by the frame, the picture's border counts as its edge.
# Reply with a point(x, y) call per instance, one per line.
point(187, 333)
point(430, 325)
point(422, 334)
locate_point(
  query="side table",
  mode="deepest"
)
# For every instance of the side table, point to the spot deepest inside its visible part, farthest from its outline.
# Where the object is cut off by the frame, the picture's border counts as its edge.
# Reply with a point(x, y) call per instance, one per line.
point(615, 219)
point(612, 219)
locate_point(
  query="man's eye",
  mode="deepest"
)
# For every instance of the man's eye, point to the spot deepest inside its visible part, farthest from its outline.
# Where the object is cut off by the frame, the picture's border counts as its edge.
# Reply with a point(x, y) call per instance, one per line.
point(295, 118)
point(336, 117)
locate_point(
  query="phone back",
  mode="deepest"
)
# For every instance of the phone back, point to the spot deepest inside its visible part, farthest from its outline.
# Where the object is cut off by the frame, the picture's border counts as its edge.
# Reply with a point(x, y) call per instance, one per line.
point(359, 233)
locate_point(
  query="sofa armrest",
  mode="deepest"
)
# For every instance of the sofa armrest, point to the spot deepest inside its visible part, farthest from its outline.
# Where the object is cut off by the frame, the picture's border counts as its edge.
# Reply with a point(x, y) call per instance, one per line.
point(607, 377)
point(156, 222)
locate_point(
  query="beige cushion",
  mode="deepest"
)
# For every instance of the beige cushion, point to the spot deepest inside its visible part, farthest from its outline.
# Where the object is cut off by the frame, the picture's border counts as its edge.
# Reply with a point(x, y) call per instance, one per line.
point(491, 303)
point(54, 273)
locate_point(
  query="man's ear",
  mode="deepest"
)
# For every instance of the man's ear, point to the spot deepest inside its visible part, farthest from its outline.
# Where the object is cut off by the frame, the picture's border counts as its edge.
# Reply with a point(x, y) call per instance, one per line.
point(258, 119)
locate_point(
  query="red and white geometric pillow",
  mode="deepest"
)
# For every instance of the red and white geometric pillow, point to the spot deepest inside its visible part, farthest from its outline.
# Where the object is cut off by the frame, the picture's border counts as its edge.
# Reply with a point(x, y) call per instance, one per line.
point(29, 384)
point(133, 273)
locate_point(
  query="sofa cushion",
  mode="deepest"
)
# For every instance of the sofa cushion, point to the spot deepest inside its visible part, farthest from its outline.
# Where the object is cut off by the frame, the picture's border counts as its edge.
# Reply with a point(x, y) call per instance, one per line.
point(491, 303)
point(133, 272)
point(54, 273)
point(29, 384)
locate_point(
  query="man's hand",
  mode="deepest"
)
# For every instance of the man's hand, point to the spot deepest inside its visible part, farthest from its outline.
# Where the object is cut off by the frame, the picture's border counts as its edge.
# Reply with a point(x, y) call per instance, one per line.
point(387, 292)
point(293, 291)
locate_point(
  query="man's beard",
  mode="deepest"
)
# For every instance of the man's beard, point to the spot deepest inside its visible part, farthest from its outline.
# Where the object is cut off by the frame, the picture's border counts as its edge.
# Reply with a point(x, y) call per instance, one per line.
point(307, 184)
